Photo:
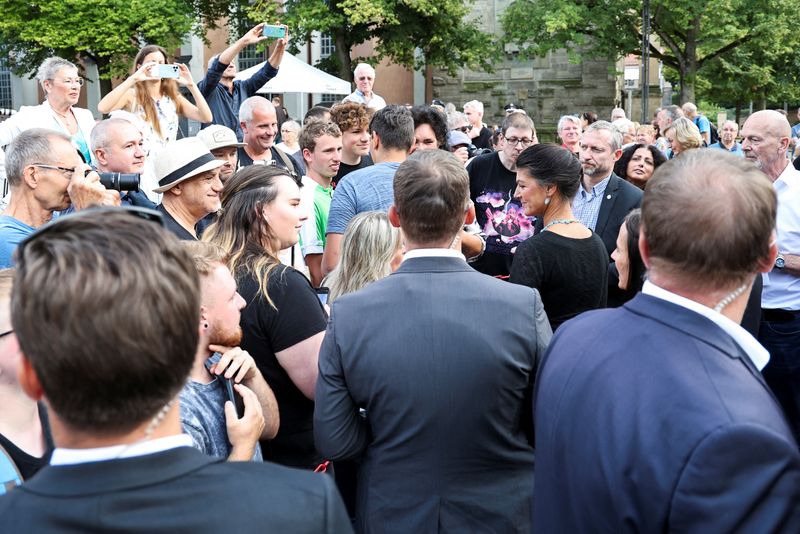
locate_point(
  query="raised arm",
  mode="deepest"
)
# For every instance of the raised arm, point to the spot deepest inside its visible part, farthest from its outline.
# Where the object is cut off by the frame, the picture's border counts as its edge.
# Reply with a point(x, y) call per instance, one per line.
point(120, 96)
point(198, 111)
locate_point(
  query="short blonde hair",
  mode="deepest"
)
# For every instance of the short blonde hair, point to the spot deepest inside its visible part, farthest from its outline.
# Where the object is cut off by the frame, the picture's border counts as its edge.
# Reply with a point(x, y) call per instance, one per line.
point(686, 133)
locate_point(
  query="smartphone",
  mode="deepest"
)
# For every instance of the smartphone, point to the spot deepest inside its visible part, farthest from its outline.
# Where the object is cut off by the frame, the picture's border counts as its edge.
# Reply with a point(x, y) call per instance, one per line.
point(227, 383)
point(273, 31)
point(166, 71)
point(322, 294)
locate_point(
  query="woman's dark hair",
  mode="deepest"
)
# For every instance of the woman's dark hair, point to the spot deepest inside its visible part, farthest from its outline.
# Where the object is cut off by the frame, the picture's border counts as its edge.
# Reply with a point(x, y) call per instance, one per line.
point(433, 118)
point(636, 267)
point(551, 164)
point(589, 117)
point(621, 166)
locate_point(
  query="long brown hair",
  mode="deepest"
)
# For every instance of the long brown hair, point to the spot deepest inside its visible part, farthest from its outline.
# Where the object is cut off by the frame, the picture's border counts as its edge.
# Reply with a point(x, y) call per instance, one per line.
point(240, 228)
point(168, 87)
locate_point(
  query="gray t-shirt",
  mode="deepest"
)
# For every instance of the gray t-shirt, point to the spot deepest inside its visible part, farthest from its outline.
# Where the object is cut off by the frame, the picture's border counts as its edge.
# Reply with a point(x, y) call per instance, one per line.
point(203, 418)
point(367, 189)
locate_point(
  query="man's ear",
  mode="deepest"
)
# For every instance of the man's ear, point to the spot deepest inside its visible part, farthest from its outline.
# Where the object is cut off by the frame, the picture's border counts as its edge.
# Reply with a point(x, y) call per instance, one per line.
point(375, 140)
point(28, 380)
point(100, 156)
point(29, 176)
point(644, 249)
point(767, 263)
point(394, 218)
point(469, 217)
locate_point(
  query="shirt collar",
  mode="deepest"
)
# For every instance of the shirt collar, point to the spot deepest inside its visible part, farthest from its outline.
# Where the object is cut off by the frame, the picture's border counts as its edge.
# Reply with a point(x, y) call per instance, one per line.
point(79, 456)
point(597, 189)
point(757, 354)
point(788, 177)
point(432, 253)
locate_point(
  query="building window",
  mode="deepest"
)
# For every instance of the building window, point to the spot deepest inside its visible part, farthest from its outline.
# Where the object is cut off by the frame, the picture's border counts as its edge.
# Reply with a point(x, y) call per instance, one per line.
point(250, 56)
point(326, 46)
point(5, 85)
point(329, 99)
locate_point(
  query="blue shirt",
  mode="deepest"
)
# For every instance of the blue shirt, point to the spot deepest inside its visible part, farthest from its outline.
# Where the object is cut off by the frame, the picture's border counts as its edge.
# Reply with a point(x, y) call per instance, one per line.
point(586, 206)
point(702, 124)
point(224, 104)
point(737, 148)
point(367, 189)
point(796, 130)
point(12, 232)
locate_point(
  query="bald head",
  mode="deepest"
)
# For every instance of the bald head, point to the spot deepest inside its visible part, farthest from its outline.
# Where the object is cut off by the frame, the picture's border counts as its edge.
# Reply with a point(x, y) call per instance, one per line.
point(765, 139)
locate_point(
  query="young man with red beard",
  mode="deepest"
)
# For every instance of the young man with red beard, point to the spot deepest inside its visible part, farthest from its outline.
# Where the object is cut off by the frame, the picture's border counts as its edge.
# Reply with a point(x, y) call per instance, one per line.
point(206, 414)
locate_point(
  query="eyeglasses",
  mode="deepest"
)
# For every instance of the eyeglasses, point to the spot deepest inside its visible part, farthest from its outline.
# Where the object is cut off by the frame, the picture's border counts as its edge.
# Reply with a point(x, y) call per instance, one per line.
point(66, 171)
point(4, 334)
point(464, 129)
point(70, 81)
point(513, 141)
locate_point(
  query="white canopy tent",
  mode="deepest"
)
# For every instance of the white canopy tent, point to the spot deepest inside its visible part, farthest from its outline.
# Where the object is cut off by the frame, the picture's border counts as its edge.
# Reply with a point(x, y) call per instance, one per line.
point(296, 76)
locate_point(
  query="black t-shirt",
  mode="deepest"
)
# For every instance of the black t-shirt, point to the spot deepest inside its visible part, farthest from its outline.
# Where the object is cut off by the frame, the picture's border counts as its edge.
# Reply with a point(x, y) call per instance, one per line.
point(499, 215)
point(245, 160)
point(484, 139)
point(570, 274)
point(26, 464)
point(174, 226)
point(345, 169)
point(297, 315)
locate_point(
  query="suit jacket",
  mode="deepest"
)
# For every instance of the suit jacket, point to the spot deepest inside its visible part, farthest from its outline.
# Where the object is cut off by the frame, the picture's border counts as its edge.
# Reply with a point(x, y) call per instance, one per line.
point(443, 360)
point(619, 199)
point(175, 491)
point(664, 426)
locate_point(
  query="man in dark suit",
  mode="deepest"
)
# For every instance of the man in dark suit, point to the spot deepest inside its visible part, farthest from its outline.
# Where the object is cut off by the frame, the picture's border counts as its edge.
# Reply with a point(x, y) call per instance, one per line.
point(667, 425)
point(106, 310)
point(605, 199)
point(442, 359)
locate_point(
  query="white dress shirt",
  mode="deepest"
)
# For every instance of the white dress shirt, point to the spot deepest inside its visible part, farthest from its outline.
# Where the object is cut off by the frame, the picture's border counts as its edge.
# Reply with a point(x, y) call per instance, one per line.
point(433, 253)
point(99, 454)
point(757, 354)
point(782, 290)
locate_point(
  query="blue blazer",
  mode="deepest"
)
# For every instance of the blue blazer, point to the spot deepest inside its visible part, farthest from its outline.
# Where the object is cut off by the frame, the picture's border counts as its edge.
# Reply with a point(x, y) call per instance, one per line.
point(650, 418)
point(443, 360)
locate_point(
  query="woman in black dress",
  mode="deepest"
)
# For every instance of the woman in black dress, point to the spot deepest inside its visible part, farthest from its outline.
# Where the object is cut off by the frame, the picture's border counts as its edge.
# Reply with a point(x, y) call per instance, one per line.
point(565, 261)
point(283, 323)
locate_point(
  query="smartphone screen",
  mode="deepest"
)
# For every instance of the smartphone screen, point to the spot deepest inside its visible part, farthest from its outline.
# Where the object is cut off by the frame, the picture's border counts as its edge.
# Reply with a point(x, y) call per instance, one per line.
point(322, 294)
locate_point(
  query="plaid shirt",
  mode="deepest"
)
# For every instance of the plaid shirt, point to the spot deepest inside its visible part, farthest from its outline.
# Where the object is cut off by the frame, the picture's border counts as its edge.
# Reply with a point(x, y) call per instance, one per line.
point(586, 205)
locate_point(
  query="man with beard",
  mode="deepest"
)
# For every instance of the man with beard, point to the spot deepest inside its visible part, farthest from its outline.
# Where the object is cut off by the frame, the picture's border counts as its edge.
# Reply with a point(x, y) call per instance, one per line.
point(206, 414)
point(224, 94)
point(605, 199)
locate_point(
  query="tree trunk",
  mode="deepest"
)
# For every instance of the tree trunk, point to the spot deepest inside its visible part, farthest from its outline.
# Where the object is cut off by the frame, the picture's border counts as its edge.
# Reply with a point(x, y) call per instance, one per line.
point(738, 111)
point(105, 82)
point(689, 64)
point(343, 54)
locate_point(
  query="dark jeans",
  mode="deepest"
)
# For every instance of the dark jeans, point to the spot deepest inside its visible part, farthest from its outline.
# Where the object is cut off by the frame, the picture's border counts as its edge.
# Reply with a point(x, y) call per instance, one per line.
point(780, 335)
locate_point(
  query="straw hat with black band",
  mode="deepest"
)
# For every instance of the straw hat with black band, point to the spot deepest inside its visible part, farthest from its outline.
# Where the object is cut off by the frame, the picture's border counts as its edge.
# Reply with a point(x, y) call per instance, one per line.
point(181, 160)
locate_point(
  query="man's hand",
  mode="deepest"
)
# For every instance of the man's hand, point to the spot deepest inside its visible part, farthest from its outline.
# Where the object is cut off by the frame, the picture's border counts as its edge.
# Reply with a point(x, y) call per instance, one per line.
point(85, 189)
point(276, 56)
point(235, 362)
point(462, 153)
point(253, 36)
point(244, 433)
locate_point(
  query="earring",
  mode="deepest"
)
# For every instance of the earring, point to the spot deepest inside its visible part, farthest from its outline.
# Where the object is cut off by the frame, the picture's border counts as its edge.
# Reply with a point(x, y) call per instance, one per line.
point(205, 325)
point(547, 201)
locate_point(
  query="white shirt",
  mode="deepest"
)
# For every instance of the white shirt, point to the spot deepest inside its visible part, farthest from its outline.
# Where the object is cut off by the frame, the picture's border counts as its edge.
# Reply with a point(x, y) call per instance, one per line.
point(433, 253)
point(757, 354)
point(782, 290)
point(99, 454)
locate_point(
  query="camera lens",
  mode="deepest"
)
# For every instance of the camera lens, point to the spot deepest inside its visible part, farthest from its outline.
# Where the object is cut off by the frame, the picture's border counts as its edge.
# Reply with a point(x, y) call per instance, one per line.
point(120, 181)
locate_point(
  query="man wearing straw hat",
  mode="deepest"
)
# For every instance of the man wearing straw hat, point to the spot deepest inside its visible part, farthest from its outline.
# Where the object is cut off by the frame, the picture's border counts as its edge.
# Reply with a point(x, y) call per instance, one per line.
point(188, 175)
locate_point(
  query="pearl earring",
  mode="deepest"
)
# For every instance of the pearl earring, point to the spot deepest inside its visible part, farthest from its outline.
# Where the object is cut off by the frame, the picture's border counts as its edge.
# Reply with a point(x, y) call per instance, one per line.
point(547, 201)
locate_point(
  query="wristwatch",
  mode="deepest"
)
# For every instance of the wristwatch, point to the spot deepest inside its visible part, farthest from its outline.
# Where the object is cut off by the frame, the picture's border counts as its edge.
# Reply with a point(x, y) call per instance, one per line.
point(780, 262)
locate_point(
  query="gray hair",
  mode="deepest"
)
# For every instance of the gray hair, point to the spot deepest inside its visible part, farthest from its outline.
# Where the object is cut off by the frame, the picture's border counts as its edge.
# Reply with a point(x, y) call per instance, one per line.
point(292, 126)
point(569, 118)
point(672, 112)
point(101, 131)
point(31, 146)
point(477, 105)
point(455, 118)
point(50, 67)
point(251, 104)
point(364, 67)
point(615, 137)
point(368, 246)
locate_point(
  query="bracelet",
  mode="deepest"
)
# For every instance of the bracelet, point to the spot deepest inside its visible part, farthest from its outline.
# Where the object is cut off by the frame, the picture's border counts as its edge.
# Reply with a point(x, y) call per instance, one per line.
point(483, 249)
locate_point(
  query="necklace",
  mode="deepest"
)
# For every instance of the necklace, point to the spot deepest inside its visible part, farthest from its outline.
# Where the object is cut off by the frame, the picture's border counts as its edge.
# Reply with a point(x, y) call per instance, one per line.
point(64, 116)
point(559, 221)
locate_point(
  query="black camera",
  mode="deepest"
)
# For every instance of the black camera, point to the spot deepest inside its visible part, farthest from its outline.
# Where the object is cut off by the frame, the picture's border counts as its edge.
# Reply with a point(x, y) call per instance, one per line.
point(120, 181)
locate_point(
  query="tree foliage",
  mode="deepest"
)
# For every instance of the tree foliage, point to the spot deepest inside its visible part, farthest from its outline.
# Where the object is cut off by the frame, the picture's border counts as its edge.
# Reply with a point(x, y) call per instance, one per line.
point(413, 33)
point(687, 35)
point(108, 32)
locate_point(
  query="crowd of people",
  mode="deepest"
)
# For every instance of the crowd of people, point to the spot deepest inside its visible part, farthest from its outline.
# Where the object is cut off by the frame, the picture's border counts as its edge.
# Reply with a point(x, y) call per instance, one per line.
point(391, 318)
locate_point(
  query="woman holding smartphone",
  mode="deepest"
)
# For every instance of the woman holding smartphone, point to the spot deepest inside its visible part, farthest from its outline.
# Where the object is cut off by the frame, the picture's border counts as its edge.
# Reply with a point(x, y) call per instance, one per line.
point(284, 322)
point(156, 102)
